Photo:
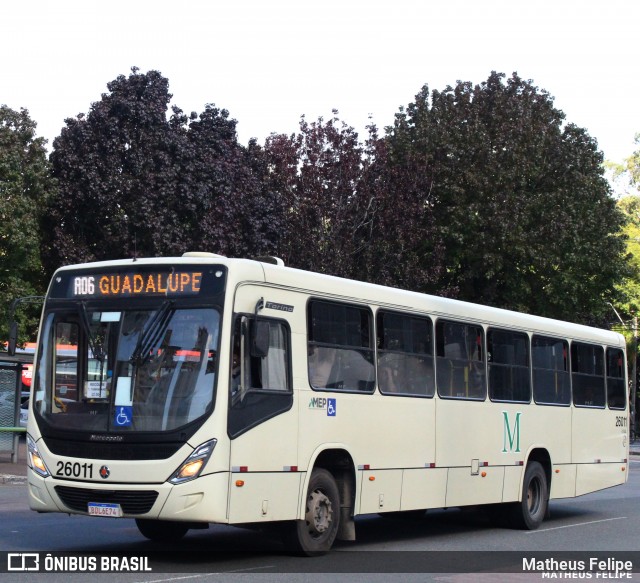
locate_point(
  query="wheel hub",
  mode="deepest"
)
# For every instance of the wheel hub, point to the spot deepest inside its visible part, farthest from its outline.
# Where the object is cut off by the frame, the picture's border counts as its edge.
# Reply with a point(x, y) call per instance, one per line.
point(319, 514)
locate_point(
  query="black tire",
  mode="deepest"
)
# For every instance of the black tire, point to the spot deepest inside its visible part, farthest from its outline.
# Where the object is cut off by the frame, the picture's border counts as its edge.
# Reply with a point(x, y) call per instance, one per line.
point(161, 530)
point(529, 513)
point(315, 534)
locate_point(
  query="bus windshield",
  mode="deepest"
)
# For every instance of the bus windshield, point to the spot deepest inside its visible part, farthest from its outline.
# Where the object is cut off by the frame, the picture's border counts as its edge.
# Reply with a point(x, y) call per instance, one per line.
point(127, 370)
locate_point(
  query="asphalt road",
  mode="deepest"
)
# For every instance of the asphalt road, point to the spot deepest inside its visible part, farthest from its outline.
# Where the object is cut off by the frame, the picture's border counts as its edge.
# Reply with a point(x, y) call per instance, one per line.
point(444, 545)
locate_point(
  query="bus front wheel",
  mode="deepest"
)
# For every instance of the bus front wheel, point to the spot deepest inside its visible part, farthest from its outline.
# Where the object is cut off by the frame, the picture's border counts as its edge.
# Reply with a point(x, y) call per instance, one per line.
point(529, 513)
point(161, 530)
point(315, 534)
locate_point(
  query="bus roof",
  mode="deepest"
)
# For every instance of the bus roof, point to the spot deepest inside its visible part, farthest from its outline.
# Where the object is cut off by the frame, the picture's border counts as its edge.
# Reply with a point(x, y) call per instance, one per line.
point(321, 285)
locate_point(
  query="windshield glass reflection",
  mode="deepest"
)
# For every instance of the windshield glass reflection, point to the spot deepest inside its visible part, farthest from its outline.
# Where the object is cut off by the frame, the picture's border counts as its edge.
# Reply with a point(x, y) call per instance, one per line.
point(136, 370)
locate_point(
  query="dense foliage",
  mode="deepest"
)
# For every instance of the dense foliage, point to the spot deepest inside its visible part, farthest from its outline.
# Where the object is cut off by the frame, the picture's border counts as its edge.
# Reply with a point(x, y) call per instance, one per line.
point(133, 181)
point(347, 212)
point(481, 192)
point(518, 199)
point(25, 183)
point(626, 175)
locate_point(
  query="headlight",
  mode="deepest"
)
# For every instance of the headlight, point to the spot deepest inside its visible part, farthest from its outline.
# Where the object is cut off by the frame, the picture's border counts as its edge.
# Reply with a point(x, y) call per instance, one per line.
point(194, 464)
point(34, 459)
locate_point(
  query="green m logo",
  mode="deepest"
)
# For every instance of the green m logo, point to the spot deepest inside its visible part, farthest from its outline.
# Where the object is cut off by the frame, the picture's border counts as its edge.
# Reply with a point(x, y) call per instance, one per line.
point(511, 437)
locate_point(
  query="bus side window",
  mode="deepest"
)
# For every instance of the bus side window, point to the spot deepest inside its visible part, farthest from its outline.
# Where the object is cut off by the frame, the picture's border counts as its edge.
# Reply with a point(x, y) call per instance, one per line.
point(508, 356)
point(340, 347)
point(460, 363)
point(405, 354)
point(616, 394)
point(587, 375)
point(260, 386)
point(550, 359)
point(272, 369)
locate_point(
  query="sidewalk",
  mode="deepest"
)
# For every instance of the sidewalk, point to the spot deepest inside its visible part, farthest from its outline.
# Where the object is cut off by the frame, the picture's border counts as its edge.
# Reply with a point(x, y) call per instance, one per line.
point(16, 473)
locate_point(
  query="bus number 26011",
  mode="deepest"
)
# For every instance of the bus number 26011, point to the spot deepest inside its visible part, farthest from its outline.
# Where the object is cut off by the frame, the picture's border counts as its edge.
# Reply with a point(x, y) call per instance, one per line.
point(621, 421)
point(74, 470)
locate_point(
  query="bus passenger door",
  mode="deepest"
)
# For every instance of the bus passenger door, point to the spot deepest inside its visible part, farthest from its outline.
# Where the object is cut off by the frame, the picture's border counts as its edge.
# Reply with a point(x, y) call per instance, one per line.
point(262, 422)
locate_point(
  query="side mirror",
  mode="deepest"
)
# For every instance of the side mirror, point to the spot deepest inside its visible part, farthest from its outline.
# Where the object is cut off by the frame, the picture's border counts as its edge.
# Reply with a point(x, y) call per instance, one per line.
point(13, 338)
point(260, 338)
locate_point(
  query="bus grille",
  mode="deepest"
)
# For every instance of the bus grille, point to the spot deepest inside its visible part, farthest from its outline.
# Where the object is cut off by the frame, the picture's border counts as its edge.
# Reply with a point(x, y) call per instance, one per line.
point(131, 501)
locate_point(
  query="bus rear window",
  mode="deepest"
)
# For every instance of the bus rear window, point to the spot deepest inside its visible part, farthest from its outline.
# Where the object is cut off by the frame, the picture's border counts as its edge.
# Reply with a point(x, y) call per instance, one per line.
point(616, 392)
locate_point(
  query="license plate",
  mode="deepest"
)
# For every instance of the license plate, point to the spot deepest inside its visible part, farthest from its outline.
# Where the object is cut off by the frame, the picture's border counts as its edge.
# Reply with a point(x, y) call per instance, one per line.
point(103, 509)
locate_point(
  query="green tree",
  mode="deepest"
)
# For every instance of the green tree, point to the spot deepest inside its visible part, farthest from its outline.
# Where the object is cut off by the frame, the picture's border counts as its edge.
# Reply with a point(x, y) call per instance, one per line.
point(626, 176)
point(25, 185)
point(518, 198)
point(629, 303)
point(623, 316)
point(392, 236)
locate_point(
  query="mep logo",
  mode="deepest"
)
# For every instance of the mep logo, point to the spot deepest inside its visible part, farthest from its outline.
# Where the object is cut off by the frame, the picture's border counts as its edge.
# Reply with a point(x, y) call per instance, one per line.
point(324, 404)
point(23, 562)
point(511, 433)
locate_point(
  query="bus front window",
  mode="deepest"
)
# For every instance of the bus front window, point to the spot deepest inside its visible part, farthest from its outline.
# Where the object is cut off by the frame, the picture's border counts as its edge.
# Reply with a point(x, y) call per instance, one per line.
point(130, 370)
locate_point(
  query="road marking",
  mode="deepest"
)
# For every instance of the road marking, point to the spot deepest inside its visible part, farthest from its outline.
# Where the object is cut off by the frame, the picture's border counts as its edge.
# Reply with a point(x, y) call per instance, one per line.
point(178, 578)
point(249, 569)
point(200, 575)
point(574, 525)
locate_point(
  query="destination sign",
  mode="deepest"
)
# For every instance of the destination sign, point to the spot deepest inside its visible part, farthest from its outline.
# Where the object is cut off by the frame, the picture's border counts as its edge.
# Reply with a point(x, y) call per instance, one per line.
point(159, 283)
point(128, 282)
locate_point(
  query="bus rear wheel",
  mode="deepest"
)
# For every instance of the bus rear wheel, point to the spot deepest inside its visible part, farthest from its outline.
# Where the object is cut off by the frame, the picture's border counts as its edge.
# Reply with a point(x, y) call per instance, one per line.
point(529, 513)
point(161, 530)
point(315, 534)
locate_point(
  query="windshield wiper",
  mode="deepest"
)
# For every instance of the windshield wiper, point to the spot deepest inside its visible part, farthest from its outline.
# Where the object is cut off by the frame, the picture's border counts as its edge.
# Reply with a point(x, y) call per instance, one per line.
point(151, 334)
point(94, 343)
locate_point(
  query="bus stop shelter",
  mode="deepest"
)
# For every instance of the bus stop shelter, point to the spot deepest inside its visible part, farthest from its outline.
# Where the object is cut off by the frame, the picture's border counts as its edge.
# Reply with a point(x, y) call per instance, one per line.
point(11, 386)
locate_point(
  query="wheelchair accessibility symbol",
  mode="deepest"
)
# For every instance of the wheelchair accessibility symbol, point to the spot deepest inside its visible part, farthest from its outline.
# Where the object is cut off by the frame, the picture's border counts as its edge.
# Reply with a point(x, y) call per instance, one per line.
point(123, 416)
point(331, 407)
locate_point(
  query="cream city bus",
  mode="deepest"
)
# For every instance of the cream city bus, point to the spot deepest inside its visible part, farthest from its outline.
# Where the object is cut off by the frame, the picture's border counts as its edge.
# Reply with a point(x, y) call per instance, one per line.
point(233, 391)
